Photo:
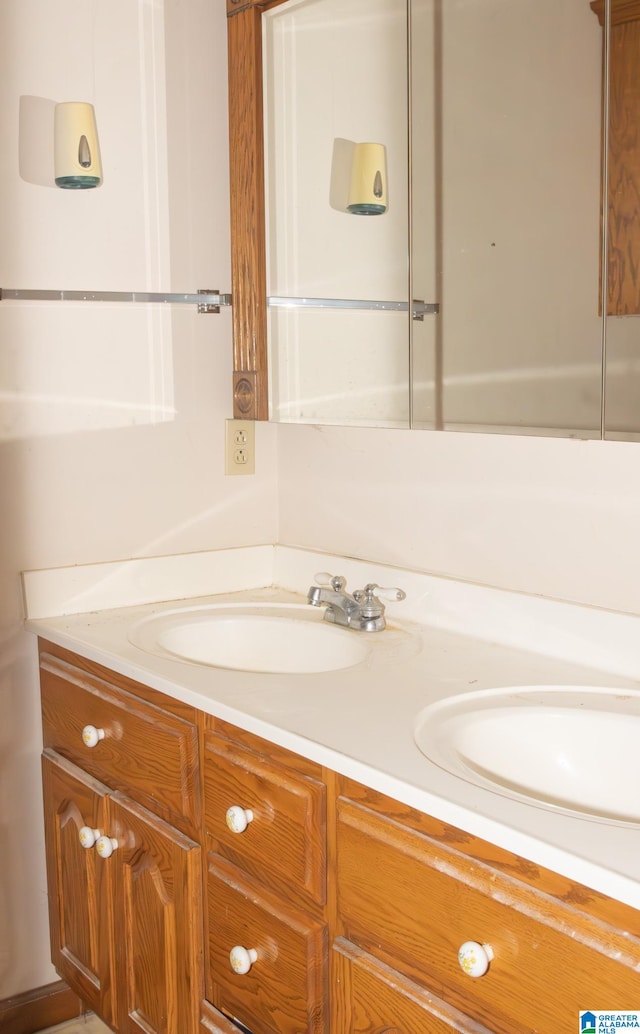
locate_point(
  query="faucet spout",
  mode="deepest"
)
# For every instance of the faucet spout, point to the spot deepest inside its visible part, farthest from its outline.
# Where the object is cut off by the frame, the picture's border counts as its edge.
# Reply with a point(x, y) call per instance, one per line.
point(340, 606)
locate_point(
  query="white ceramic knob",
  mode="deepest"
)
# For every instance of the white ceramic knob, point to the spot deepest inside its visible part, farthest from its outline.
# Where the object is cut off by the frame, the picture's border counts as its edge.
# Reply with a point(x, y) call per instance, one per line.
point(242, 959)
point(88, 836)
point(92, 736)
point(238, 818)
point(105, 846)
point(474, 958)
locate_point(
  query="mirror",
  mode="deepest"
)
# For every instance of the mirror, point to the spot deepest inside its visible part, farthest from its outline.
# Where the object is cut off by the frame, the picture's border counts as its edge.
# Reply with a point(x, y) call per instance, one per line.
point(495, 192)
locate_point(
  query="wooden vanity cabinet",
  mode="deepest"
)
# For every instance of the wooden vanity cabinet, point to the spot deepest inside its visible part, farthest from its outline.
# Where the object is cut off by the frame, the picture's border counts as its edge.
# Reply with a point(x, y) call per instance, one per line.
point(126, 923)
point(265, 821)
point(342, 909)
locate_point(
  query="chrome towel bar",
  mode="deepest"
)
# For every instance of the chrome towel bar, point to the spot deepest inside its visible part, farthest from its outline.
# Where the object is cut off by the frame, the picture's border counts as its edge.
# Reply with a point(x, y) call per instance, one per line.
point(206, 301)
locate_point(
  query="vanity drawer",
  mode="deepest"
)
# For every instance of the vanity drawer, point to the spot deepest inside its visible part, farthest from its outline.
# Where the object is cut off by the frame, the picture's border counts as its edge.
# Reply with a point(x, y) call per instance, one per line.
point(412, 903)
point(284, 990)
point(145, 751)
point(283, 844)
point(369, 996)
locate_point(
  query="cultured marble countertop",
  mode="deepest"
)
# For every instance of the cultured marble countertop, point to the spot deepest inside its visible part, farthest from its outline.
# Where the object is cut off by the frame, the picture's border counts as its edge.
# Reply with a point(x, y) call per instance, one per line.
point(360, 721)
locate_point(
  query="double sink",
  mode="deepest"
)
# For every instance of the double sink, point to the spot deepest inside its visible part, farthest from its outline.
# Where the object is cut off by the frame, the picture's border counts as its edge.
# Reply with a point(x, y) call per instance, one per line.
point(570, 749)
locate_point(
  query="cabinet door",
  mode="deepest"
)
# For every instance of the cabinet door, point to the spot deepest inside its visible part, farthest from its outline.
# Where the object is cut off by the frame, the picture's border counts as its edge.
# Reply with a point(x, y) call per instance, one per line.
point(79, 892)
point(157, 896)
point(370, 998)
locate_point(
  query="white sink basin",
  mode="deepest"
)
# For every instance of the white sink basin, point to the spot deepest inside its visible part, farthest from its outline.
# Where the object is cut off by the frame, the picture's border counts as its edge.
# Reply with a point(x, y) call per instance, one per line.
point(572, 749)
point(268, 638)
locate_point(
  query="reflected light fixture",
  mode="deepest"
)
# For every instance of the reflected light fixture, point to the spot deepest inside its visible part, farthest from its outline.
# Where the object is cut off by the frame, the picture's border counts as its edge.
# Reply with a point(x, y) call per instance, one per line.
point(368, 186)
point(76, 147)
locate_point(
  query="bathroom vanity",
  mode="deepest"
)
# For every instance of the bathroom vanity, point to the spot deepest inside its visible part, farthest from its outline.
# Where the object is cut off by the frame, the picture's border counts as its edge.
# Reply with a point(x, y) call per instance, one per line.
point(205, 876)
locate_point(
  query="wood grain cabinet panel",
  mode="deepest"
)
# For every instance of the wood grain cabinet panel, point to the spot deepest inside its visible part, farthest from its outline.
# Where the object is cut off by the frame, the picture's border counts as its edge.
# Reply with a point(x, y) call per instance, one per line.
point(79, 898)
point(146, 752)
point(413, 903)
point(371, 998)
point(285, 990)
point(157, 893)
point(283, 845)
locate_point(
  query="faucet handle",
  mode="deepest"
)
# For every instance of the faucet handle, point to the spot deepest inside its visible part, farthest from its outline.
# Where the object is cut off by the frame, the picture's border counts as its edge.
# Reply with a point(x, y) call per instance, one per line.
point(392, 594)
point(336, 581)
point(372, 590)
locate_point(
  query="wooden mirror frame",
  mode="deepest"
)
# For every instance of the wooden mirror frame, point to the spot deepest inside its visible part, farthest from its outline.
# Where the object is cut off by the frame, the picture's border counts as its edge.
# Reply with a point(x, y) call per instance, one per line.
point(623, 224)
point(248, 229)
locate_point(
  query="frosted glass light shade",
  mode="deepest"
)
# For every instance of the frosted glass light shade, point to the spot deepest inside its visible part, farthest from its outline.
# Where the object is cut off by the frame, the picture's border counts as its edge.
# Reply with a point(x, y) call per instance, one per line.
point(76, 147)
point(368, 188)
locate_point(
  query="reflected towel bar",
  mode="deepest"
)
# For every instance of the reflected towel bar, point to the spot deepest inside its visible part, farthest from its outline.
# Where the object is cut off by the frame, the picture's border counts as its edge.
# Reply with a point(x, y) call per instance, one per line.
point(419, 308)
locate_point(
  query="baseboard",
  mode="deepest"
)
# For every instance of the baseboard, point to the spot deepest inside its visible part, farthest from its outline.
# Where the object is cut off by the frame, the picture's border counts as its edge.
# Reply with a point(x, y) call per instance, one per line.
point(43, 1007)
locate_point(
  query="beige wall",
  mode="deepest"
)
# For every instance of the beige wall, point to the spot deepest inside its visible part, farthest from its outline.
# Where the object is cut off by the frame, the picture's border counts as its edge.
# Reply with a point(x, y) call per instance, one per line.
point(112, 418)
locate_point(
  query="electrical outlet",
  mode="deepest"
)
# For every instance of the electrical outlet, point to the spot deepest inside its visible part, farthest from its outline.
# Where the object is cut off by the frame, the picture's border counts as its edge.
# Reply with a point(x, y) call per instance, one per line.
point(240, 447)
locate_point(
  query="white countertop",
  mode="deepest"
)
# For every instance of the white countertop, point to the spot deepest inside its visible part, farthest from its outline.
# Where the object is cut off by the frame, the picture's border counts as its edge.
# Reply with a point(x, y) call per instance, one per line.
point(359, 721)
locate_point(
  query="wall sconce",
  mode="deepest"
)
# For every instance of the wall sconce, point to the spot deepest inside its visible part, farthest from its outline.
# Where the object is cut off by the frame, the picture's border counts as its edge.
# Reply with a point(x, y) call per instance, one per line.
point(368, 187)
point(76, 147)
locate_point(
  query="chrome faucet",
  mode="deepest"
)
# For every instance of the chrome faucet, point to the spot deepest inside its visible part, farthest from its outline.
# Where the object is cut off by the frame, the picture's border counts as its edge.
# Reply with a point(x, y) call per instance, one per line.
point(362, 610)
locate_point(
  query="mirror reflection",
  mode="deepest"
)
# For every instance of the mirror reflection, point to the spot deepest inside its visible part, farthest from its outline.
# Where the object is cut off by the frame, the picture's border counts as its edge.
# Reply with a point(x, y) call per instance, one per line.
point(506, 135)
point(490, 114)
point(336, 78)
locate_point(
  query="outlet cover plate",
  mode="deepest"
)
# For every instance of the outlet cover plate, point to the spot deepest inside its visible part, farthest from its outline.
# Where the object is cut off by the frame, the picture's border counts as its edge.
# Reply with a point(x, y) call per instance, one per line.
point(240, 447)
